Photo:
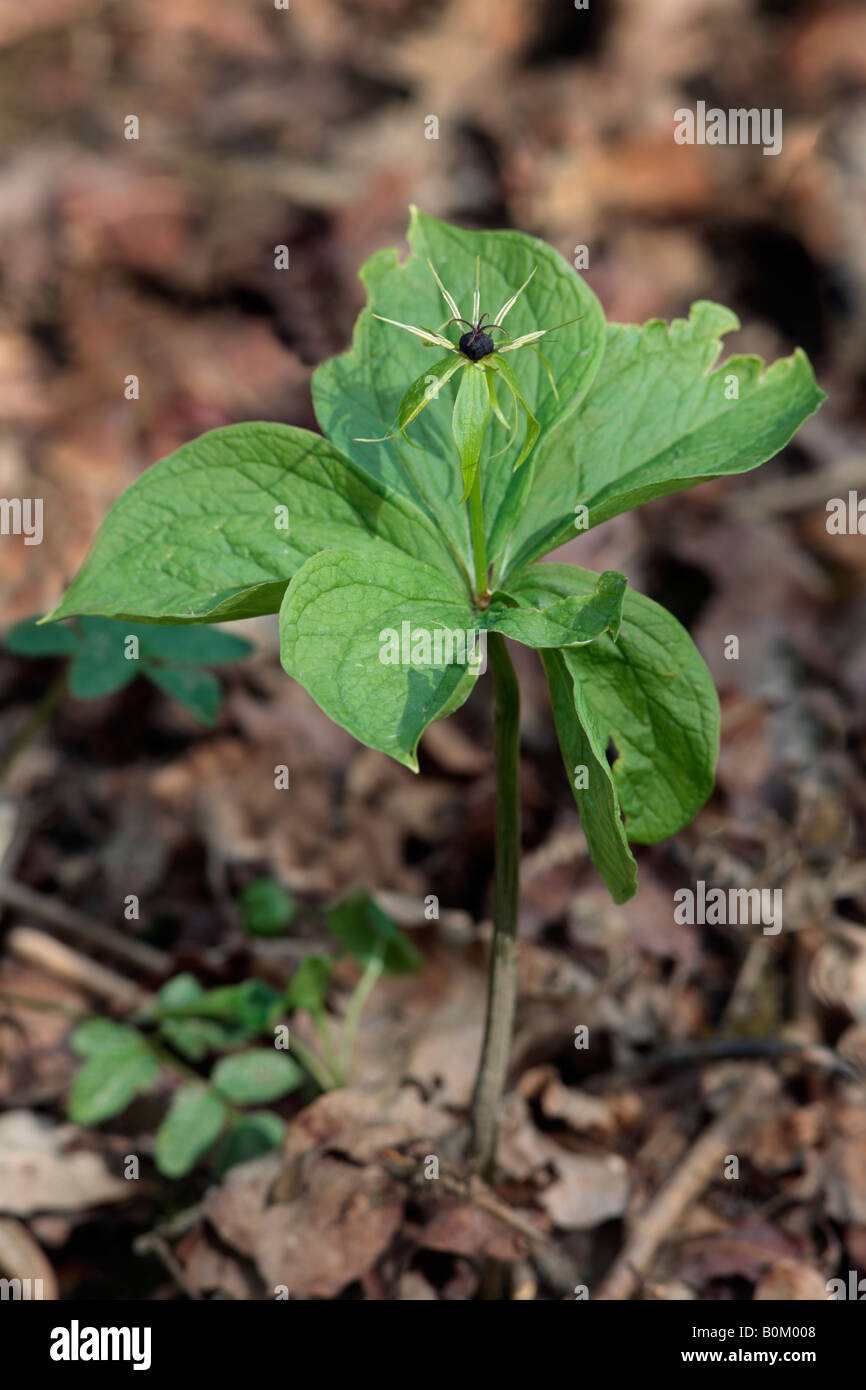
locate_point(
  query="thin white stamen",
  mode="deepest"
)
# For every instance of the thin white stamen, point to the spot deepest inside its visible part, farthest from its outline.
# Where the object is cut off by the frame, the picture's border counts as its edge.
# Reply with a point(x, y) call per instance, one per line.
point(433, 338)
point(449, 299)
point(510, 303)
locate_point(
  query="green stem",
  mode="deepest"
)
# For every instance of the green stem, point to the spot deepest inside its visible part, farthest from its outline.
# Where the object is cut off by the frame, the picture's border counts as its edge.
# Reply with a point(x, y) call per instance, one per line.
point(479, 548)
point(502, 980)
point(314, 1065)
point(40, 715)
point(320, 1023)
point(361, 993)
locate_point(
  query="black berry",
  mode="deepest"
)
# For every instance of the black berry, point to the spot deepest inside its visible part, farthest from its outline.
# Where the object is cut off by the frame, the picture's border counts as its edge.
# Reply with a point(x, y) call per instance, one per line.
point(476, 344)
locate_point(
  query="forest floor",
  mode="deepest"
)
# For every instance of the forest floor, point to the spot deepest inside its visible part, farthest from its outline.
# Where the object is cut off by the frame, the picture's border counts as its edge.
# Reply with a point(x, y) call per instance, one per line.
point(727, 1066)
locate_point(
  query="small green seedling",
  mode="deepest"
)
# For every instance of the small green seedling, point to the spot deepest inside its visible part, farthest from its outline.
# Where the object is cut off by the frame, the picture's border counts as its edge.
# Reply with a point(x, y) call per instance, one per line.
point(398, 566)
point(187, 1025)
point(266, 908)
point(104, 656)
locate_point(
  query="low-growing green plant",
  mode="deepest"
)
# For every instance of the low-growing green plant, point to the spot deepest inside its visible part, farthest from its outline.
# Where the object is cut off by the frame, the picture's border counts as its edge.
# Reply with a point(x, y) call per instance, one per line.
point(266, 907)
point(187, 1025)
point(104, 657)
point(410, 532)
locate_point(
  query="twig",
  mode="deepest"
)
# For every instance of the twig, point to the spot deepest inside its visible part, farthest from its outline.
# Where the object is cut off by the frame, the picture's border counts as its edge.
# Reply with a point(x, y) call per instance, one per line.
point(83, 931)
point(47, 1006)
point(64, 963)
point(736, 1049)
point(747, 985)
point(39, 949)
point(473, 1190)
point(658, 1220)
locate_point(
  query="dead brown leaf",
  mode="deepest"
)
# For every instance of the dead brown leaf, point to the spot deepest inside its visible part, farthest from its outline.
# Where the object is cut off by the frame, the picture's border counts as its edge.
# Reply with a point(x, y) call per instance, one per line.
point(342, 1221)
point(41, 1171)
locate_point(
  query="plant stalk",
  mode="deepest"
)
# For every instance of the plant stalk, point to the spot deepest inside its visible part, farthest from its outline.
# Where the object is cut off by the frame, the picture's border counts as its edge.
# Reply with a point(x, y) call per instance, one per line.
point(361, 993)
point(38, 716)
point(502, 979)
point(479, 548)
point(320, 1073)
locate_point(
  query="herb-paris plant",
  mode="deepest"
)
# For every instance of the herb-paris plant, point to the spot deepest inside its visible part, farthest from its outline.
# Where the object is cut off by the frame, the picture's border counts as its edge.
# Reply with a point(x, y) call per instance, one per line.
point(406, 522)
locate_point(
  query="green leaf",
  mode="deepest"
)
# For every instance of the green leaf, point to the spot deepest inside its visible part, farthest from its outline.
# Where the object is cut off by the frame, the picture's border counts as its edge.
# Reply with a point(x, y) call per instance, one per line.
point(308, 987)
point(194, 1121)
point(250, 1137)
point(657, 420)
point(342, 626)
point(425, 389)
point(198, 691)
point(194, 1038)
point(27, 638)
point(256, 1077)
point(468, 419)
point(368, 932)
point(109, 1080)
point(101, 666)
point(254, 1004)
point(533, 428)
point(199, 538)
point(199, 1037)
point(266, 907)
point(568, 622)
point(98, 1035)
point(649, 691)
point(358, 394)
point(190, 646)
point(583, 746)
point(180, 989)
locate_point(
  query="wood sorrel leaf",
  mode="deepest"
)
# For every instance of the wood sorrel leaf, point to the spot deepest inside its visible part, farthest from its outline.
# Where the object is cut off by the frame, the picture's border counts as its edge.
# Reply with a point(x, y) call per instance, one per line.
point(308, 987)
point(254, 1134)
point(193, 1038)
point(194, 1120)
point(199, 692)
point(584, 747)
point(257, 1076)
point(468, 419)
point(27, 638)
point(369, 933)
point(217, 529)
point(110, 1078)
point(358, 629)
point(358, 394)
point(651, 693)
point(657, 420)
point(182, 646)
point(99, 666)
